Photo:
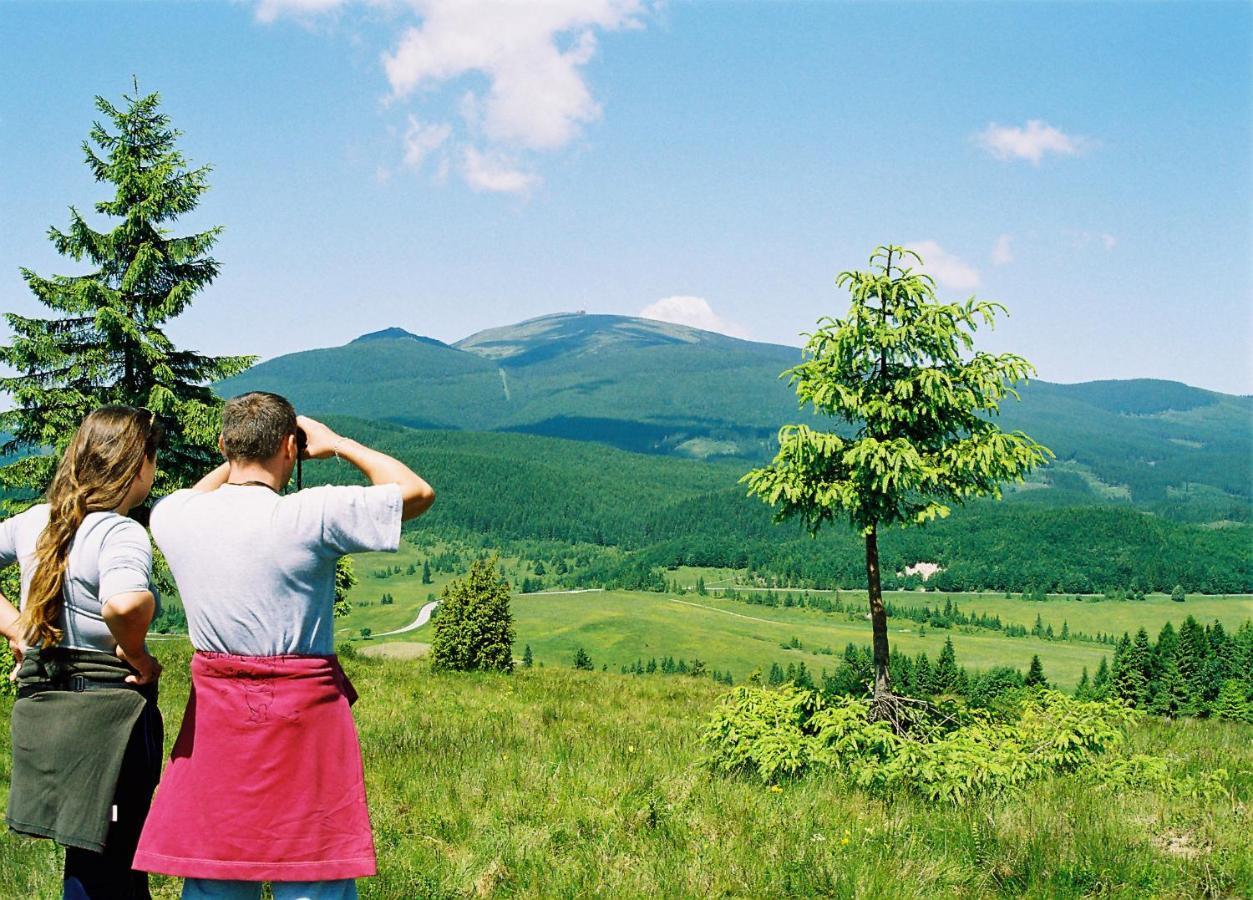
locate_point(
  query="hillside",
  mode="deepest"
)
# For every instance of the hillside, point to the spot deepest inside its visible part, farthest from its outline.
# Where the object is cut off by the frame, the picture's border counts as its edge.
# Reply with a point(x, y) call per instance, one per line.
point(658, 388)
point(551, 782)
point(667, 511)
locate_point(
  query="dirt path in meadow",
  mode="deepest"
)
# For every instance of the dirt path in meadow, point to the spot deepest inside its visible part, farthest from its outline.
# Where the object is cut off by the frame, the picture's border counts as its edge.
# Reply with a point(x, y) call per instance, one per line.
point(424, 616)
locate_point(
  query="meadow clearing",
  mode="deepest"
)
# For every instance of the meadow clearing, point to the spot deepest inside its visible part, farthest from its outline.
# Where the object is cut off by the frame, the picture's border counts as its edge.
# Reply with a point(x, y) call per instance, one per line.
point(617, 628)
point(551, 782)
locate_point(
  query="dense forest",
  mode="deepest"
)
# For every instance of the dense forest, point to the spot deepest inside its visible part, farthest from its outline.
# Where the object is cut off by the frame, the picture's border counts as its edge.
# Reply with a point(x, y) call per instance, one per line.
point(664, 511)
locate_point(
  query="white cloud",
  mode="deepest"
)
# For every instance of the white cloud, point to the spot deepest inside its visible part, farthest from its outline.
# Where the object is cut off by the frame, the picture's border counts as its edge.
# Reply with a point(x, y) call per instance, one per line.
point(525, 61)
point(495, 173)
point(1003, 250)
point(421, 139)
point(1031, 142)
point(948, 270)
point(532, 55)
point(1109, 241)
point(693, 311)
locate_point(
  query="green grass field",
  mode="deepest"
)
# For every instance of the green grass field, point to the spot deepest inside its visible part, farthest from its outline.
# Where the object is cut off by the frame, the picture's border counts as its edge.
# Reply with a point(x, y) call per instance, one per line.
point(555, 783)
point(618, 627)
point(1089, 615)
point(409, 591)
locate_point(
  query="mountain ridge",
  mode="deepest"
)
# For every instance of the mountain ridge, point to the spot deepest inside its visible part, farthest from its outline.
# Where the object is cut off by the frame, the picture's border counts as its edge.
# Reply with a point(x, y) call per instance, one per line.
point(654, 387)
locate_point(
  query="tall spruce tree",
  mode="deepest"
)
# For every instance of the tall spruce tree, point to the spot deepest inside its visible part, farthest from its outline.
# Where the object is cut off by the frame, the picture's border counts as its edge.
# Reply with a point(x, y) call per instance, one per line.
point(1100, 681)
point(945, 677)
point(1165, 648)
point(901, 370)
point(1170, 694)
point(1131, 669)
point(1192, 657)
point(1083, 691)
point(106, 341)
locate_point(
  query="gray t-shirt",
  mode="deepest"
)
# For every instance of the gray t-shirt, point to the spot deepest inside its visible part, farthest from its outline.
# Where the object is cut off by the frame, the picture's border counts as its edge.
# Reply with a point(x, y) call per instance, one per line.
point(110, 555)
point(256, 570)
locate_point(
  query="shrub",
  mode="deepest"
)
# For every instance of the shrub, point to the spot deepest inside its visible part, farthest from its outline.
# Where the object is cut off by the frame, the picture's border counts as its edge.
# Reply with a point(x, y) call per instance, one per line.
point(1154, 773)
point(758, 731)
point(777, 734)
point(474, 628)
point(988, 688)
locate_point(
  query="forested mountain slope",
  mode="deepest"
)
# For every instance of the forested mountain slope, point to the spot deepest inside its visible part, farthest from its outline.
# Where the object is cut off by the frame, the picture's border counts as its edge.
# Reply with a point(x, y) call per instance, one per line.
point(654, 387)
point(667, 511)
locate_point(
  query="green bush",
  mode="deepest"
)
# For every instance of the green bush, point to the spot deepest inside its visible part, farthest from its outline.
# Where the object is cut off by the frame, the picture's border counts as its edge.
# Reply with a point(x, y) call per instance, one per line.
point(778, 734)
point(1140, 771)
point(474, 628)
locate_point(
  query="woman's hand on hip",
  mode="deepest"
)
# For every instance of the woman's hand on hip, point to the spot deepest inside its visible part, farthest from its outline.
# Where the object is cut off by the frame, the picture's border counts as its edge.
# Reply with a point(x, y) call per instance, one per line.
point(147, 667)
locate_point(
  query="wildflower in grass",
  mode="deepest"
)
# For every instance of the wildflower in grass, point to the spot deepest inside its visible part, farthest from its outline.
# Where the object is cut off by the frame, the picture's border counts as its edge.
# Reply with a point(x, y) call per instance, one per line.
point(775, 789)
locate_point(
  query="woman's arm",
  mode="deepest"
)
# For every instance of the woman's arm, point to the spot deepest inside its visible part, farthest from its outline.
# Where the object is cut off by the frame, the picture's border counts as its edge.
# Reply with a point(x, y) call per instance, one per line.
point(214, 479)
point(8, 619)
point(9, 628)
point(128, 617)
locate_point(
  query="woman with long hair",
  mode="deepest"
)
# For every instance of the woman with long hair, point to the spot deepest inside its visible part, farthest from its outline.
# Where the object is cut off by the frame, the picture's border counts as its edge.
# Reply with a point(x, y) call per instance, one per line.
point(87, 735)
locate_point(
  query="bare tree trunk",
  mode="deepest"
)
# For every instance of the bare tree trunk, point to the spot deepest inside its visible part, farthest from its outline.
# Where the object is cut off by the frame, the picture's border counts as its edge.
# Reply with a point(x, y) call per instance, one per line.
point(878, 618)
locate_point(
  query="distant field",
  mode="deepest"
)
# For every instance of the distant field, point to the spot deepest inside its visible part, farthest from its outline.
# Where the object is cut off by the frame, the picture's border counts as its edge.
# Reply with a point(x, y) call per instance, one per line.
point(407, 589)
point(618, 627)
point(1089, 615)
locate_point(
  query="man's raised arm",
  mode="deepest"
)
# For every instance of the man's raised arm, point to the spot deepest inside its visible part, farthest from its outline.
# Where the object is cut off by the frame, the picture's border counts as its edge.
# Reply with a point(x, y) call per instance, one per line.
point(378, 467)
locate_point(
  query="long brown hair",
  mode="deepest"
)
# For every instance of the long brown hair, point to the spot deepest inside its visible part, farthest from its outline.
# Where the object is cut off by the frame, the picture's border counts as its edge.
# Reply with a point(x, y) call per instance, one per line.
point(95, 473)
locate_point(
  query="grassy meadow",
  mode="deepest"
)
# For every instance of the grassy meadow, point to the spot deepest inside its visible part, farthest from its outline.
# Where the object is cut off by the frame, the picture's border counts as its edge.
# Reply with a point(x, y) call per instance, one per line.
point(618, 627)
point(552, 782)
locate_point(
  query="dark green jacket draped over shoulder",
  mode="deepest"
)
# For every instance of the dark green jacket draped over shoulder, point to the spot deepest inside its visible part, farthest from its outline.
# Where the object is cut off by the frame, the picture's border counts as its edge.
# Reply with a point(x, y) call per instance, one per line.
point(69, 741)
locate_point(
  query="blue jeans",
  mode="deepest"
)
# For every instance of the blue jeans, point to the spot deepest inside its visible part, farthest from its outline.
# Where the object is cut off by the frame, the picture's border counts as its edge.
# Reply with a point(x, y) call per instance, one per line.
point(213, 889)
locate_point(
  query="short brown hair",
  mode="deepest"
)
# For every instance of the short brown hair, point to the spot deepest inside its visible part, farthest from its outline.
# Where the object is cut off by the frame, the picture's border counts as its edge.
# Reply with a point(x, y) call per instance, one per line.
point(255, 424)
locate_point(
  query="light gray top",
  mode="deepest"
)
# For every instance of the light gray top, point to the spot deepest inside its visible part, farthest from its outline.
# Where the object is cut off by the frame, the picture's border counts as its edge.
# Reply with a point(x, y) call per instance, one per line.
point(110, 555)
point(256, 570)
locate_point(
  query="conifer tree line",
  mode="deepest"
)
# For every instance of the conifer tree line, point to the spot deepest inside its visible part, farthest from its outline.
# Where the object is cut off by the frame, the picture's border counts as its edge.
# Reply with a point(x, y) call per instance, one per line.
point(1195, 671)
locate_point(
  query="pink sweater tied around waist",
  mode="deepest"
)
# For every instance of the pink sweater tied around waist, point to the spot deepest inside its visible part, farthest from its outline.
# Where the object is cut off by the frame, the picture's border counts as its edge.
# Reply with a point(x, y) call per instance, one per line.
point(265, 782)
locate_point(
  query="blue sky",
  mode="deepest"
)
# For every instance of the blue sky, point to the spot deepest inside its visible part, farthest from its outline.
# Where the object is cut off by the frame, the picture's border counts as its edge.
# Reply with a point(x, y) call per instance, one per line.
point(451, 165)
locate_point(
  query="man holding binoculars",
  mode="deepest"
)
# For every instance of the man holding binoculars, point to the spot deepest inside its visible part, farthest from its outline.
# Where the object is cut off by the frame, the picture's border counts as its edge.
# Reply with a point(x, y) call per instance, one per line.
point(265, 781)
